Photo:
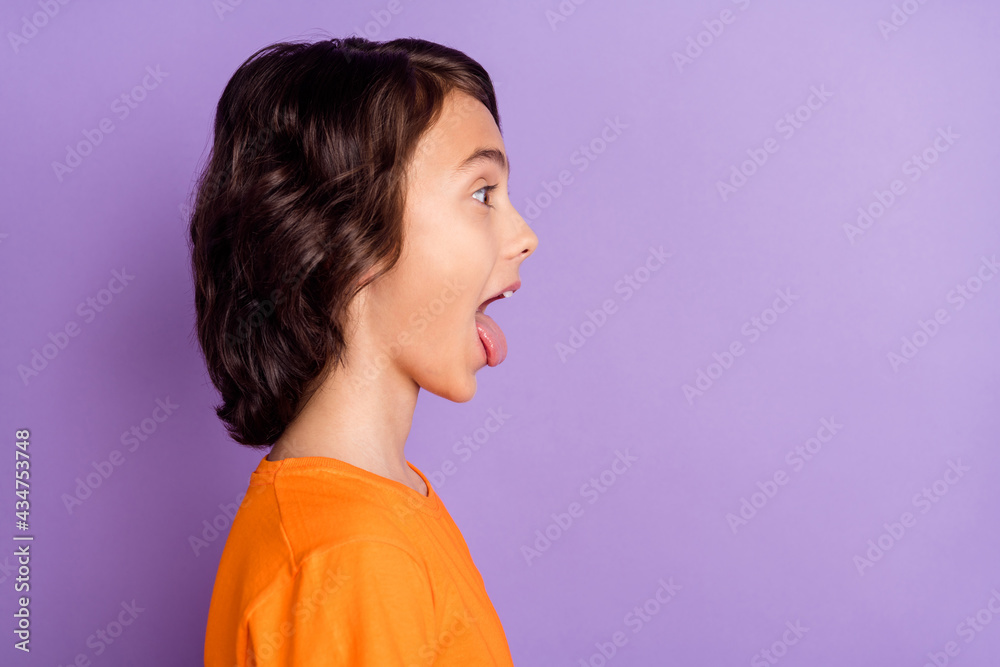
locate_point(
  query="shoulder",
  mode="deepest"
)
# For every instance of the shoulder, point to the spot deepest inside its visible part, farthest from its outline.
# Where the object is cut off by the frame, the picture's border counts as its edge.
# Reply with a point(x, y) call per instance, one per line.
point(328, 514)
point(362, 601)
point(364, 561)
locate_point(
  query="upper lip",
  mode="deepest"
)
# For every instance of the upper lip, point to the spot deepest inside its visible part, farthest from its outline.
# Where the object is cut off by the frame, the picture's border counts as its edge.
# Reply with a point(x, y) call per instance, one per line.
point(513, 287)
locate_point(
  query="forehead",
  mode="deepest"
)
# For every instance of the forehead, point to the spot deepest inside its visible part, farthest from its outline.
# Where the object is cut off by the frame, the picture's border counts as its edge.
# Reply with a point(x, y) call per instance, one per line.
point(464, 126)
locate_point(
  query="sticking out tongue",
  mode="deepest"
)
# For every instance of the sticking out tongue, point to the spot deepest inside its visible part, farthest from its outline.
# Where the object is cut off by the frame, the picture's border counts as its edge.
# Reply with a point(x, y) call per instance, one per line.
point(492, 339)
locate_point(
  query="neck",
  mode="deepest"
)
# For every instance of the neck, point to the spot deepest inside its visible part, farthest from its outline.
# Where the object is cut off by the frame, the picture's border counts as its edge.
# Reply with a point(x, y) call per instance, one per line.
point(361, 414)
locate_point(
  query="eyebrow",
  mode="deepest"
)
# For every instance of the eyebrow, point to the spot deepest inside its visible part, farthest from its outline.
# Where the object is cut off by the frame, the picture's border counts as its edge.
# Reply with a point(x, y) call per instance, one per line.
point(485, 154)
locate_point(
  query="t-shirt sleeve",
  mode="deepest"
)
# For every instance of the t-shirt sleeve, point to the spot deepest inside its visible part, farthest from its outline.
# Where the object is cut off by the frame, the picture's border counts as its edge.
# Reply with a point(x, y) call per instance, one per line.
point(363, 603)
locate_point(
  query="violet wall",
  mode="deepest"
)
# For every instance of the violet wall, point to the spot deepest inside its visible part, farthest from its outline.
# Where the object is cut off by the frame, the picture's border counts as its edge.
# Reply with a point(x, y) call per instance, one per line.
point(751, 400)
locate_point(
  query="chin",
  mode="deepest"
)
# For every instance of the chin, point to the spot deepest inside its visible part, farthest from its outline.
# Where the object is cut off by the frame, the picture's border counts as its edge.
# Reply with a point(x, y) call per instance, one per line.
point(458, 387)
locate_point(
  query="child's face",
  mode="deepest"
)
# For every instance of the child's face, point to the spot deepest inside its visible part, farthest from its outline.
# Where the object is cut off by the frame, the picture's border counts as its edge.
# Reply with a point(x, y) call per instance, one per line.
point(457, 253)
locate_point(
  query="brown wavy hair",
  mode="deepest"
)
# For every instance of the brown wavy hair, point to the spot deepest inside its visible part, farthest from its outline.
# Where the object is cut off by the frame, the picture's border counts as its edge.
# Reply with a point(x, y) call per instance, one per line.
point(301, 197)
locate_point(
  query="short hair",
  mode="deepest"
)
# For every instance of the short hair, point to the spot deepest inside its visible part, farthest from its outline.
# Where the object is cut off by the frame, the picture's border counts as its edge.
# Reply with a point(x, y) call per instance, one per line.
point(302, 195)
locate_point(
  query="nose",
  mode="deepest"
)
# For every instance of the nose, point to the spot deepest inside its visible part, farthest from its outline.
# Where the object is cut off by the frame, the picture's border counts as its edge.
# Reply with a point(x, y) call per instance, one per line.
point(525, 240)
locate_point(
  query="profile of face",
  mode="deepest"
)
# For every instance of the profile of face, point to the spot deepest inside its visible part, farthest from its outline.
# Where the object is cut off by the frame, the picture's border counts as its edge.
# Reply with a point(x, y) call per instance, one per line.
point(463, 244)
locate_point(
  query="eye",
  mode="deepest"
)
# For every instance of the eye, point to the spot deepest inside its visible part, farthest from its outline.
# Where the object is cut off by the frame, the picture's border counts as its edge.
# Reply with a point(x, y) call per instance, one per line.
point(486, 190)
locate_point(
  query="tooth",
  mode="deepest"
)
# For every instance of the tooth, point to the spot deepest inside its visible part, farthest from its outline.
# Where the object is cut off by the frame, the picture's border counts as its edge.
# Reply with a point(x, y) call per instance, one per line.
point(508, 294)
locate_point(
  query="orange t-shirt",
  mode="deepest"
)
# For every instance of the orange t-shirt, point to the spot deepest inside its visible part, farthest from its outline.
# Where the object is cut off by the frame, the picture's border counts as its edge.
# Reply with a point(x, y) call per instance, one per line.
point(330, 564)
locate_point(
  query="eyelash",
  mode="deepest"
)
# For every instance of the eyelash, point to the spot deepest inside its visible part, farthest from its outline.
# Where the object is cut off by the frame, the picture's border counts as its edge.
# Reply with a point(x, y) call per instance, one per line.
point(489, 189)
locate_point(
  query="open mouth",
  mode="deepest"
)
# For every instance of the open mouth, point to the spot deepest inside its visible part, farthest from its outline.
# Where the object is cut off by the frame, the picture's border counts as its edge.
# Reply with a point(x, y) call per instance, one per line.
point(490, 334)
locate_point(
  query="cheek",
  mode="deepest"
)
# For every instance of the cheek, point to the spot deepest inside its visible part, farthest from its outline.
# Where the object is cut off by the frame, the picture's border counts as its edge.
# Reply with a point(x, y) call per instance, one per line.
point(450, 314)
point(438, 314)
point(448, 288)
point(441, 277)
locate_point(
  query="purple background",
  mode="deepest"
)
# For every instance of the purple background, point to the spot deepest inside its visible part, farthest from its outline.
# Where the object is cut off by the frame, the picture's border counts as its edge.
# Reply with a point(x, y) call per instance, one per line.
point(682, 130)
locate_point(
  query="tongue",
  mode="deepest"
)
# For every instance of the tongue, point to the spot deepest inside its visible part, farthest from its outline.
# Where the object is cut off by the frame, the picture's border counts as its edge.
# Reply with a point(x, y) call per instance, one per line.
point(492, 338)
